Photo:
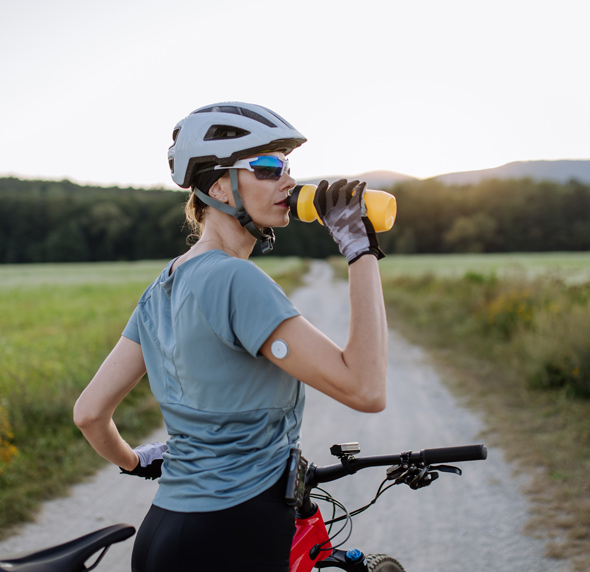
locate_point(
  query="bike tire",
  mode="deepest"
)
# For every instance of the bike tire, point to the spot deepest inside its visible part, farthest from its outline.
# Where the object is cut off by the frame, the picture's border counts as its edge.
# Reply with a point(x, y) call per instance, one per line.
point(383, 563)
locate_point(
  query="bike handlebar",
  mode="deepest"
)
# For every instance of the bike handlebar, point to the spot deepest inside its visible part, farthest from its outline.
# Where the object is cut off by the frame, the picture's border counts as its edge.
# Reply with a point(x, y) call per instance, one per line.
point(317, 475)
point(454, 454)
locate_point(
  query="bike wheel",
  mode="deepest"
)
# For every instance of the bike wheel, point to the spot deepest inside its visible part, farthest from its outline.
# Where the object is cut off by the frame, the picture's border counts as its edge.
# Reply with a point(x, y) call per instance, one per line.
point(383, 563)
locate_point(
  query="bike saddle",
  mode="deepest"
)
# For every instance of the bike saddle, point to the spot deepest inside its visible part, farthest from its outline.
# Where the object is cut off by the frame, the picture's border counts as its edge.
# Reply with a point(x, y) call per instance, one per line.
point(71, 556)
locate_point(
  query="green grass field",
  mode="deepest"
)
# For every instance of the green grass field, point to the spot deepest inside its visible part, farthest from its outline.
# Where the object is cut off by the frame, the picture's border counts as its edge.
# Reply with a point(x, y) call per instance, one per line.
point(35, 275)
point(571, 266)
point(510, 332)
point(57, 323)
point(27, 276)
point(574, 266)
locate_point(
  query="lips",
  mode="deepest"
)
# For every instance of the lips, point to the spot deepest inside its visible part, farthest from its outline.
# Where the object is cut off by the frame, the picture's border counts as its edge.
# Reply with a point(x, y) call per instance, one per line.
point(284, 203)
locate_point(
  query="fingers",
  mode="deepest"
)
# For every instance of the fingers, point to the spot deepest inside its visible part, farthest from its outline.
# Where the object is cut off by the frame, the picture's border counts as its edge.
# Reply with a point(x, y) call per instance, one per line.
point(339, 193)
point(319, 198)
point(359, 196)
point(360, 189)
point(322, 186)
point(334, 191)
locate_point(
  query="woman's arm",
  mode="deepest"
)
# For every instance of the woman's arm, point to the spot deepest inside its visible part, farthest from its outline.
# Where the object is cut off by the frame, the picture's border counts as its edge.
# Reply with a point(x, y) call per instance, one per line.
point(93, 412)
point(356, 375)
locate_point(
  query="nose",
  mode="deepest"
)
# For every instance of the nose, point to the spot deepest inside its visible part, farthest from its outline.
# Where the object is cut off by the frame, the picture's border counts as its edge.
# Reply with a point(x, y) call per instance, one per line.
point(287, 182)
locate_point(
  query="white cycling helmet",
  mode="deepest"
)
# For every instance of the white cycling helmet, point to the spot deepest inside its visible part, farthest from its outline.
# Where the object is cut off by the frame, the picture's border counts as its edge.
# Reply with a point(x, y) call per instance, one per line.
point(222, 133)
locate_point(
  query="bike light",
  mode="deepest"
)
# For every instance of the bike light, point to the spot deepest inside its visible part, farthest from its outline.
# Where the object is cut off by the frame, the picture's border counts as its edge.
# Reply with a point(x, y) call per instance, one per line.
point(343, 449)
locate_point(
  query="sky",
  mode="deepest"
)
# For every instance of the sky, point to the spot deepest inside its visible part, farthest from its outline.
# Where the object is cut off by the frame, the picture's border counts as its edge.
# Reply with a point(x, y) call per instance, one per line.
point(90, 90)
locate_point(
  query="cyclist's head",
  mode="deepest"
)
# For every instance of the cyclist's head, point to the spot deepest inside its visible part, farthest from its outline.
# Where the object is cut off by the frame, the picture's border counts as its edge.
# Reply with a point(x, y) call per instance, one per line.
point(218, 135)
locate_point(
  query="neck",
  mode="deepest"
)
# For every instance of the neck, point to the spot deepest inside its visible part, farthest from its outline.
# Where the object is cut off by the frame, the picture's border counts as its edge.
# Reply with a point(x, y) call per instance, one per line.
point(227, 234)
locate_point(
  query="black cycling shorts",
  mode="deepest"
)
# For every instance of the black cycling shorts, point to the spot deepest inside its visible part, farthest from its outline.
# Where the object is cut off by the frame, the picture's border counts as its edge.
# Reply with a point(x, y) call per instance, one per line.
point(255, 536)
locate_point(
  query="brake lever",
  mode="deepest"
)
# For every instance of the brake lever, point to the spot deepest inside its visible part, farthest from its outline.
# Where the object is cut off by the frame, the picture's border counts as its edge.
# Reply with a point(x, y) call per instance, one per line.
point(429, 474)
point(413, 476)
point(447, 469)
point(418, 477)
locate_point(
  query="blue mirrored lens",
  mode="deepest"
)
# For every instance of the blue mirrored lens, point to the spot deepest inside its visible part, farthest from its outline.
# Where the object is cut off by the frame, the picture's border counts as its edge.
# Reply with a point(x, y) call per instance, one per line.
point(266, 161)
point(267, 167)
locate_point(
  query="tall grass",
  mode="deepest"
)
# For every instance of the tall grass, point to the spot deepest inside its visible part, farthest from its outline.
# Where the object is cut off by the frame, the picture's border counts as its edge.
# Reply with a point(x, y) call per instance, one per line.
point(518, 345)
point(58, 323)
point(7, 449)
point(540, 326)
point(53, 339)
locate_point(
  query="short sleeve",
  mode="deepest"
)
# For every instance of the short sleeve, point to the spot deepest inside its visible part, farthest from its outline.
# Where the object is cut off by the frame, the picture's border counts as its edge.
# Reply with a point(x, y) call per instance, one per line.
point(131, 330)
point(260, 306)
point(243, 305)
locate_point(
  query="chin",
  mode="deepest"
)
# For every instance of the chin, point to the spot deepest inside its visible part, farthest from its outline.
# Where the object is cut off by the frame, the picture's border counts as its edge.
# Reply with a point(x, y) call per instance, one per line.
point(276, 221)
point(285, 221)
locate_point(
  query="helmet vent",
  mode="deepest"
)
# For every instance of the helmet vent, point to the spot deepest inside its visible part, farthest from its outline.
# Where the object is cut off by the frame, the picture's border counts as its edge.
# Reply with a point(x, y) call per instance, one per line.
point(217, 132)
point(237, 111)
point(281, 119)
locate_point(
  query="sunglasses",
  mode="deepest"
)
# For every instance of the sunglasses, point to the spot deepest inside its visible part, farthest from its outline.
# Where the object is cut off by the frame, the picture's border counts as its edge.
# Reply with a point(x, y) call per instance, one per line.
point(265, 167)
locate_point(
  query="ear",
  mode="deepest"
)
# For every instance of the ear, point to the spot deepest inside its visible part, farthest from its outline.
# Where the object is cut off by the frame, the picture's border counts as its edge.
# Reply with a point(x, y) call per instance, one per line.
point(218, 191)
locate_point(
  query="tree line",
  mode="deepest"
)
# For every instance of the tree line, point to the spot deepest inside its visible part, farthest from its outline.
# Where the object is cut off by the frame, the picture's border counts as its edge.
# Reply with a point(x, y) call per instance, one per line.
point(494, 215)
point(60, 221)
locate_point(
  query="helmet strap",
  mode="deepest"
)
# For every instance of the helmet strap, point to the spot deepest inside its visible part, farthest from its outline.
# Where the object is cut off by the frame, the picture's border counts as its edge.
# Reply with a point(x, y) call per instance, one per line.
point(266, 235)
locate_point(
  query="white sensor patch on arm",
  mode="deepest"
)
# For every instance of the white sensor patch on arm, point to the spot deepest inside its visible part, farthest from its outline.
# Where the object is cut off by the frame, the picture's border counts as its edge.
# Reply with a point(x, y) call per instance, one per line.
point(279, 349)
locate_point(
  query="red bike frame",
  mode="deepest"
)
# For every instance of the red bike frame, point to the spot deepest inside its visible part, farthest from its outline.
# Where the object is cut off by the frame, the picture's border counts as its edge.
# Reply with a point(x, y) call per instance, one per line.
point(309, 532)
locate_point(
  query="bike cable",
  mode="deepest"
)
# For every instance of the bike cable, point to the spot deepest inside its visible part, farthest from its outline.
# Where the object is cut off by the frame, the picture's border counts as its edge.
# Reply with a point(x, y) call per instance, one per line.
point(361, 509)
point(328, 498)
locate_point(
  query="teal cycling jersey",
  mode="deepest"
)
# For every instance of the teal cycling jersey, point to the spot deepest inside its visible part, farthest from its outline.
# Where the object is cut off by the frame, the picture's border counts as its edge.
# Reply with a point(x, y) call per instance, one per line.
point(232, 415)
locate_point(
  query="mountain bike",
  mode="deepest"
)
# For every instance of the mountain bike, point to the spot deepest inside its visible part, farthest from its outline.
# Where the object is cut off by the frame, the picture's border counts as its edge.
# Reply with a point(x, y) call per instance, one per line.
point(313, 542)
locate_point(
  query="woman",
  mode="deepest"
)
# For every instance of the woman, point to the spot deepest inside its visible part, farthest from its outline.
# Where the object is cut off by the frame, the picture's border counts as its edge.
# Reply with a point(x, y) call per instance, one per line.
point(227, 353)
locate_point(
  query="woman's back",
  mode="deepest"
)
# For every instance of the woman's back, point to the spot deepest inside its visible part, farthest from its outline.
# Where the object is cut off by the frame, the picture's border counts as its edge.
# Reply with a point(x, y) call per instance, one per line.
point(232, 416)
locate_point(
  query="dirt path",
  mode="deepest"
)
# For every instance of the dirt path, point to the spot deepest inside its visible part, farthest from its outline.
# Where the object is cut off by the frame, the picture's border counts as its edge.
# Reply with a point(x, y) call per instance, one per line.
point(473, 522)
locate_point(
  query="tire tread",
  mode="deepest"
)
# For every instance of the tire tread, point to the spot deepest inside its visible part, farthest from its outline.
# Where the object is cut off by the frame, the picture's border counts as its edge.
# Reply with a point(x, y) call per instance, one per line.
point(383, 563)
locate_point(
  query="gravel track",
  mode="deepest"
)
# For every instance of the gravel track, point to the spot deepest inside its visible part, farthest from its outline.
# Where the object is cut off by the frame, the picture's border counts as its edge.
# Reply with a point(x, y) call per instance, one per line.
point(473, 522)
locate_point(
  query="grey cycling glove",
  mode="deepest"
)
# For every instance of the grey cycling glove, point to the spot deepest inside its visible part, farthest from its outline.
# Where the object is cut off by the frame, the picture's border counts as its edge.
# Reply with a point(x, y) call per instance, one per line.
point(344, 214)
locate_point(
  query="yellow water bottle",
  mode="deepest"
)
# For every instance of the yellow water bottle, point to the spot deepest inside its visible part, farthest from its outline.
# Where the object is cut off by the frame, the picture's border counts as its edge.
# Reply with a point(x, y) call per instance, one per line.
point(381, 206)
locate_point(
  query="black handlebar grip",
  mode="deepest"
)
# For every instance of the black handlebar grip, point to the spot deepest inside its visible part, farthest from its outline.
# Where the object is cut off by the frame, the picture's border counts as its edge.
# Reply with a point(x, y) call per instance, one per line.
point(454, 454)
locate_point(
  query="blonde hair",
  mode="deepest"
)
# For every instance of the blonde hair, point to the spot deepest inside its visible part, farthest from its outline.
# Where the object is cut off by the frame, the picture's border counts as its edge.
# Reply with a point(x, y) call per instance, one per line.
point(195, 209)
point(194, 213)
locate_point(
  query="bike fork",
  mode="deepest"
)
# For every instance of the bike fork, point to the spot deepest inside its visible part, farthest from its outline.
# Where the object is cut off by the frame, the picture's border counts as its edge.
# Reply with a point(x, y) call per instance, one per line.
point(352, 560)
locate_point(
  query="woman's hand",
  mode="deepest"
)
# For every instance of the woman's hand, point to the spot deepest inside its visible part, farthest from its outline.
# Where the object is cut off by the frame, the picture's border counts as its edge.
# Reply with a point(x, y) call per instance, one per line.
point(341, 207)
point(150, 459)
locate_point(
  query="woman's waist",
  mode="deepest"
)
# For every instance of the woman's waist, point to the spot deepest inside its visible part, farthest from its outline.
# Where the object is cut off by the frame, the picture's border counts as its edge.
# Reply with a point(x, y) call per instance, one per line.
point(216, 482)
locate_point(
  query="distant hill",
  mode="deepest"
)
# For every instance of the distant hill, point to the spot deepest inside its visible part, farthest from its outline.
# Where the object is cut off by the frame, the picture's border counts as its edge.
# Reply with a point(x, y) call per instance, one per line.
point(374, 179)
point(559, 171)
